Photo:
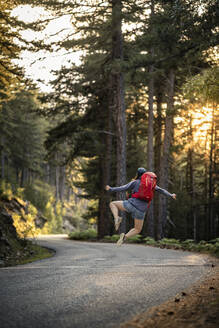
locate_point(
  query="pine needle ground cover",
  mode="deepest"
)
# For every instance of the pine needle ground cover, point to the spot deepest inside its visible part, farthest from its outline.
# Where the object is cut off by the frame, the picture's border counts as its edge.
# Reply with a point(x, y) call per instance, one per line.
point(194, 307)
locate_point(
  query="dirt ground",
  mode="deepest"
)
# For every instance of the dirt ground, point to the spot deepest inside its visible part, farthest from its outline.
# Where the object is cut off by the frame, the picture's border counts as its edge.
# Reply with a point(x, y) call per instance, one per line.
point(197, 306)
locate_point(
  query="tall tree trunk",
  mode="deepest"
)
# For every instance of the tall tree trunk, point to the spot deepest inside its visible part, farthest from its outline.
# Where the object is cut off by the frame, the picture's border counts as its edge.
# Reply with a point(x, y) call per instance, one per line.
point(150, 148)
point(216, 161)
point(150, 144)
point(104, 222)
point(28, 176)
point(17, 175)
point(57, 176)
point(210, 182)
point(158, 134)
point(191, 189)
point(62, 183)
point(2, 158)
point(118, 95)
point(164, 172)
point(205, 196)
point(157, 157)
point(190, 177)
point(23, 177)
point(69, 192)
point(47, 177)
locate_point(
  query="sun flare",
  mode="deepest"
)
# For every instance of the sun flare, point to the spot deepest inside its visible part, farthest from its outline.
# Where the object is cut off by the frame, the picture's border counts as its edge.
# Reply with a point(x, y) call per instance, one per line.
point(196, 126)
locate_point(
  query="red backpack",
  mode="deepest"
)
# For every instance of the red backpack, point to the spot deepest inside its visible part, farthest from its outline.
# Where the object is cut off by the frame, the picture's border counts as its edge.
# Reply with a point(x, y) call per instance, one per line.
point(147, 186)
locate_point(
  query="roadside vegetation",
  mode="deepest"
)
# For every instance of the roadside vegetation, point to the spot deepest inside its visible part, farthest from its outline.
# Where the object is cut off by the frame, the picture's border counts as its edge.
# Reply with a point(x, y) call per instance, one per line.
point(19, 221)
point(208, 247)
point(27, 253)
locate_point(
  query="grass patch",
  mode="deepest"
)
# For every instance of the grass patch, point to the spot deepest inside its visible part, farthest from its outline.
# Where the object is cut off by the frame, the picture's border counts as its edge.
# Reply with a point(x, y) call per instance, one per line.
point(112, 239)
point(135, 239)
point(30, 253)
point(39, 253)
point(89, 234)
point(169, 243)
point(149, 241)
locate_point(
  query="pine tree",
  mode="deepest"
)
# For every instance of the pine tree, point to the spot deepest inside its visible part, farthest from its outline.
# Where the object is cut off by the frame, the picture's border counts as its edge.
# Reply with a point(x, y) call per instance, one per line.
point(101, 81)
point(202, 89)
point(24, 134)
point(173, 40)
point(9, 50)
point(169, 44)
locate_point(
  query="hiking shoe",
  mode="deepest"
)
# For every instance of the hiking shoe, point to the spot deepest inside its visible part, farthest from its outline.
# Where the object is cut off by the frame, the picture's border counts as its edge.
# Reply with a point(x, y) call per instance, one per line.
point(117, 223)
point(121, 239)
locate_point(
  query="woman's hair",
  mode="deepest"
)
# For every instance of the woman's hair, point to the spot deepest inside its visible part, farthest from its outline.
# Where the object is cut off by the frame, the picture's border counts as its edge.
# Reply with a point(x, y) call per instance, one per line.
point(140, 171)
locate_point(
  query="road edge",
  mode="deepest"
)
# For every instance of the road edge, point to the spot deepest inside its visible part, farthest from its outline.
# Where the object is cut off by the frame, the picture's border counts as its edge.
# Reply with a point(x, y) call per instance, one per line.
point(195, 306)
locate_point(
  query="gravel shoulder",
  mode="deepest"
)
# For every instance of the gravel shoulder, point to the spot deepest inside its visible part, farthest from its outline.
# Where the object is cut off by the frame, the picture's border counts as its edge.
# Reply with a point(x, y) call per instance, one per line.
point(197, 306)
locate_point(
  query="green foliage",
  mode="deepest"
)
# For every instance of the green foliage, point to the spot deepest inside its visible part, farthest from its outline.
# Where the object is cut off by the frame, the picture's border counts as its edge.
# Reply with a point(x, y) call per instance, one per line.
point(23, 218)
point(114, 238)
point(89, 234)
point(150, 241)
point(214, 241)
point(34, 253)
point(135, 239)
point(53, 213)
point(23, 133)
point(169, 243)
point(27, 253)
point(204, 87)
point(9, 50)
point(39, 194)
point(188, 244)
point(108, 238)
point(76, 218)
point(25, 224)
point(203, 246)
point(5, 190)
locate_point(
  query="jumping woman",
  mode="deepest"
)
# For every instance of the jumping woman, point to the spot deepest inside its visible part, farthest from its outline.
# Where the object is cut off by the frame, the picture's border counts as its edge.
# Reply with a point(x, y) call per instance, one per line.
point(138, 204)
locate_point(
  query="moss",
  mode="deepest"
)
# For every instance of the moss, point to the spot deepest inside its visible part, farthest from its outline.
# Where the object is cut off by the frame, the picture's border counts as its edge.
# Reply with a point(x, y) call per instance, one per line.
point(29, 254)
point(40, 253)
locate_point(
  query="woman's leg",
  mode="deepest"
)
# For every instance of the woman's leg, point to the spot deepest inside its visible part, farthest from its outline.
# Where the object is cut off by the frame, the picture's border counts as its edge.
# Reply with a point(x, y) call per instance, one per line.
point(115, 207)
point(137, 228)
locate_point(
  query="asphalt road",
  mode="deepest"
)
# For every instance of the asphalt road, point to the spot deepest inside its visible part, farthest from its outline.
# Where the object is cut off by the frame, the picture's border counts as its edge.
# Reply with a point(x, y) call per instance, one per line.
point(93, 285)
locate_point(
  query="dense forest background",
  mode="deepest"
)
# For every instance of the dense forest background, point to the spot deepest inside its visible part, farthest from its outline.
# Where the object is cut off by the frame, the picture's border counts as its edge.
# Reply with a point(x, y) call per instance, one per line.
point(144, 94)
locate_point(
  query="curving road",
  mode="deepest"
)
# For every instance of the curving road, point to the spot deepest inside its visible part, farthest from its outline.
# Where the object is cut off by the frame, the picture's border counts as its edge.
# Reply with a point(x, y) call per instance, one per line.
point(93, 285)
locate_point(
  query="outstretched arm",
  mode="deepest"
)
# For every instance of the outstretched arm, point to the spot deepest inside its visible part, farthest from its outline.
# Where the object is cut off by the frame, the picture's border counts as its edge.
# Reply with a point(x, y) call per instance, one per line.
point(121, 188)
point(165, 192)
